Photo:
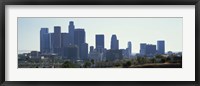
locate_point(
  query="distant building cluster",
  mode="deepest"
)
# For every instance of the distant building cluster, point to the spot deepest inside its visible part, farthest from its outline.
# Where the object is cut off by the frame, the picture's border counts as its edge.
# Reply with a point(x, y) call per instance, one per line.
point(151, 50)
point(73, 46)
point(70, 45)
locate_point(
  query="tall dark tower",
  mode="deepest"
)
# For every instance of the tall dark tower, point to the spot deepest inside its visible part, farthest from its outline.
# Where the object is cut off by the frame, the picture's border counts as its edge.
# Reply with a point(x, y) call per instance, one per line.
point(100, 43)
point(129, 48)
point(57, 37)
point(44, 40)
point(71, 32)
point(161, 47)
point(143, 48)
point(114, 43)
point(56, 40)
point(84, 51)
point(72, 52)
point(79, 40)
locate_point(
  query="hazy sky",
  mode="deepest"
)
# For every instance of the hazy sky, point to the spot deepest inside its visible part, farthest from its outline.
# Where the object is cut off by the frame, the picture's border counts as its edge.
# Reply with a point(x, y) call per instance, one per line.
point(136, 30)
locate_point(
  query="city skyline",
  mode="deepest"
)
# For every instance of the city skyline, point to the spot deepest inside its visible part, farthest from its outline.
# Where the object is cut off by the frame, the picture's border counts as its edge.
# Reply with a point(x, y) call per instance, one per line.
point(169, 45)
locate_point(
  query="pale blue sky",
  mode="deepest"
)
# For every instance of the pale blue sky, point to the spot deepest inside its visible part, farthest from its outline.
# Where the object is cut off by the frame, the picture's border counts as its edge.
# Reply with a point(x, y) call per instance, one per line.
point(136, 30)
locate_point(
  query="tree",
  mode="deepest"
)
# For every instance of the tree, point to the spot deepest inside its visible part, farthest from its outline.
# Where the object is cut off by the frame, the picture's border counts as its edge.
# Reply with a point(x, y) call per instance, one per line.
point(135, 61)
point(67, 64)
point(141, 60)
point(163, 60)
point(159, 56)
point(177, 59)
point(117, 64)
point(92, 61)
point(153, 60)
point(87, 64)
point(168, 59)
point(127, 64)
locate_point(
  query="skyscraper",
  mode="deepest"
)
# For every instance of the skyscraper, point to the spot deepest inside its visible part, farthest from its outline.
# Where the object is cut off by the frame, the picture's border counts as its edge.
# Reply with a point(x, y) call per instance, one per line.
point(112, 55)
point(71, 28)
point(64, 44)
point(84, 51)
point(51, 42)
point(150, 50)
point(147, 49)
point(56, 40)
point(44, 40)
point(114, 43)
point(143, 49)
point(72, 51)
point(129, 48)
point(100, 43)
point(65, 52)
point(64, 39)
point(79, 38)
point(161, 47)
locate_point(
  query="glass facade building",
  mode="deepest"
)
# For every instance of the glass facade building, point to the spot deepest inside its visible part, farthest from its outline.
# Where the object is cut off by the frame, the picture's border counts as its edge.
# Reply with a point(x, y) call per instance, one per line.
point(161, 47)
point(99, 43)
point(44, 40)
point(114, 43)
point(79, 39)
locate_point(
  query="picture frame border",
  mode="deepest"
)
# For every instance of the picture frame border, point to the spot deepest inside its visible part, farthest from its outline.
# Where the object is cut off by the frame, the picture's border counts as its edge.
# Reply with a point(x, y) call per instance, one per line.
point(98, 2)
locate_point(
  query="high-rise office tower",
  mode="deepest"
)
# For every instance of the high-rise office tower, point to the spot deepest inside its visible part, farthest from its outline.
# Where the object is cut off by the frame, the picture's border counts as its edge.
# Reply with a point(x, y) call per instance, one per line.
point(56, 40)
point(100, 43)
point(150, 50)
point(51, 42)
point(114, 43)
point(147, 49)
point(79, 39)
point(44, 40)
point(72, 51)
point(84, 51)
point(161, 47)
point(143, 49)
point(65, 52)
point(112, 55)
point(129, 48)
point(64, 44)
point(64, 39)
point(117, 44)
point(71, 28)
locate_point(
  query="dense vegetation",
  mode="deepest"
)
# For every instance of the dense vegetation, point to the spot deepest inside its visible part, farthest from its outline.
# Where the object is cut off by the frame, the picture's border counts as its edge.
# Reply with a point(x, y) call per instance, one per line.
point(159, 61)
